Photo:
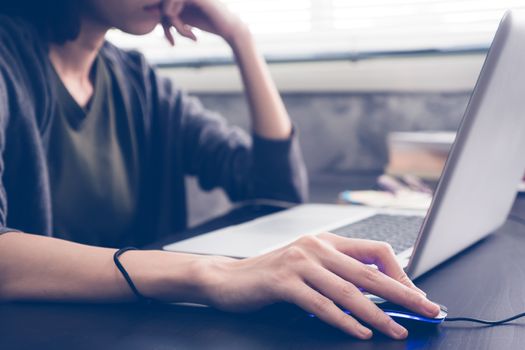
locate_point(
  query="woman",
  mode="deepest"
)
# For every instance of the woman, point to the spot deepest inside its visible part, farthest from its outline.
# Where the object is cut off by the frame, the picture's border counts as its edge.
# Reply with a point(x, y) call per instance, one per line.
point(94, 149)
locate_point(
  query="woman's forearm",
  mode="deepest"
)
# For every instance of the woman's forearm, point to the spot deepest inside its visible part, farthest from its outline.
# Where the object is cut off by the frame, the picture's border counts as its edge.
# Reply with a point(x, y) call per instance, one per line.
point(42, 268)
point(315, 272)
point(269, 116)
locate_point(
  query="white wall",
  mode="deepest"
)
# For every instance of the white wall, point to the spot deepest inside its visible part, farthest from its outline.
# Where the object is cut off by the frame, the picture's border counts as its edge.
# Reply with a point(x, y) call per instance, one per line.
point(403, 74)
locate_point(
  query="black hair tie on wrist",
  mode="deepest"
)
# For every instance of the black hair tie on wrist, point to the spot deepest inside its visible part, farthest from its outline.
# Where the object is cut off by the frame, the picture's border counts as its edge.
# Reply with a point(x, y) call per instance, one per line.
point(122, 270)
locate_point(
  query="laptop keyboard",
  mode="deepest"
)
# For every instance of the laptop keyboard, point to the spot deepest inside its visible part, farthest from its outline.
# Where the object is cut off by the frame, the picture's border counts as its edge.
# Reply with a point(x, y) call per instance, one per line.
point(398, 230)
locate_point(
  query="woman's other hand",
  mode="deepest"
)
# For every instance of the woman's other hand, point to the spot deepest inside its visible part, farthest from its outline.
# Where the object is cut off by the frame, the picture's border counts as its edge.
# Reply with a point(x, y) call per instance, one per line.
point(211, 16)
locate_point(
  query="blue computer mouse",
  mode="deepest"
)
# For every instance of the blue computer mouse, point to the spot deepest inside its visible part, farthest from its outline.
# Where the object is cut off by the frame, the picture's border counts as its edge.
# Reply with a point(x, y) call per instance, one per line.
point(403, 315)
point(400, 313)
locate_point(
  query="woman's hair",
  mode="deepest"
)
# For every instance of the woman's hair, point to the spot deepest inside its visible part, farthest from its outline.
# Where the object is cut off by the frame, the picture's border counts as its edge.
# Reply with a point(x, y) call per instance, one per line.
point(57, 21)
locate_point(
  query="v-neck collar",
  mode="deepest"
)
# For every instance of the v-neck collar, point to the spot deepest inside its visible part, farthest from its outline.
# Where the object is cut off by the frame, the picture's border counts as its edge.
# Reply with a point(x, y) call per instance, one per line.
point(75, 113)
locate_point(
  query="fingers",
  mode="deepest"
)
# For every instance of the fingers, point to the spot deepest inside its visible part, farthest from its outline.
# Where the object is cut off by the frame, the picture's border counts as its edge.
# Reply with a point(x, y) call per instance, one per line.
point(314, 302)
point(378, 253)
point(183, 29)
point(167, 33)
point(376, 282)
point(172, 10)
point(326, 274)
point(351, 298)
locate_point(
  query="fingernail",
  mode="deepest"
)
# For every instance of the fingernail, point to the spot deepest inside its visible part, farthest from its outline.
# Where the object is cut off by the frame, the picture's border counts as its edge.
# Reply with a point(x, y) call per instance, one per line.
point(398, 331)
point(432, 308)
point(365, 333)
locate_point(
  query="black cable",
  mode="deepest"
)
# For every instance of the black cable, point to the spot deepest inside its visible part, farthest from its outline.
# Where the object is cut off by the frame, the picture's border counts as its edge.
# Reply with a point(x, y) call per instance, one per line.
point(124, 273)
point(491, 323)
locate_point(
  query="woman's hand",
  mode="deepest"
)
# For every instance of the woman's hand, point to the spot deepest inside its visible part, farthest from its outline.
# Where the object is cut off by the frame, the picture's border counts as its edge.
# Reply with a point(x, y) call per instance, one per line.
point(317, 273)
point(211, 16)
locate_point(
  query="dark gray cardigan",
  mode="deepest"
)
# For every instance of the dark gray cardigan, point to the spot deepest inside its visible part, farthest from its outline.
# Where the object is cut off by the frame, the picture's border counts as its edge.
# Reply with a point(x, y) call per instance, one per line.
point(177, 137)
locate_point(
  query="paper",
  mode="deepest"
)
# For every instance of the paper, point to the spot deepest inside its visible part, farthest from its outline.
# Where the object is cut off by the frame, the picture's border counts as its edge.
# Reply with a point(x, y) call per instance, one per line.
point(382, 199)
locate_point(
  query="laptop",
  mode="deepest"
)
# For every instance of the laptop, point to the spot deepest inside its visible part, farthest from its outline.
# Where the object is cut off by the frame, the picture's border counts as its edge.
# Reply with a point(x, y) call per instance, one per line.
point(473, 198)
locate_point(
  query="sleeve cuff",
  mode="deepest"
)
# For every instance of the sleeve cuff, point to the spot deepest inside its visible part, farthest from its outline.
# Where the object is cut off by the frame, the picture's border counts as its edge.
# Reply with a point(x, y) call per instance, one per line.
point(270, 146)
point(279, 168)
point(7, 229)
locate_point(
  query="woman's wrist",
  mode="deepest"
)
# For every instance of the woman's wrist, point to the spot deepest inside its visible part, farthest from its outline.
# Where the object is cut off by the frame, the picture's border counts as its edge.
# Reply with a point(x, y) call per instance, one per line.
point(210, 275)
point(239, 38)
point(173, 277)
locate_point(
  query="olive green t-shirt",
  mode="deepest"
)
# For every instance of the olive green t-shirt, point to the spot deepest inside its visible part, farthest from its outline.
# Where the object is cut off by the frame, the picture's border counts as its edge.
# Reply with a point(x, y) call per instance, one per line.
point(93, 162)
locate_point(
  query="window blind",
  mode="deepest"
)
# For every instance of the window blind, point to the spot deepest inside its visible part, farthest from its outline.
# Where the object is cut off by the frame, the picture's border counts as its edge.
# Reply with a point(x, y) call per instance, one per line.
point(288, 28)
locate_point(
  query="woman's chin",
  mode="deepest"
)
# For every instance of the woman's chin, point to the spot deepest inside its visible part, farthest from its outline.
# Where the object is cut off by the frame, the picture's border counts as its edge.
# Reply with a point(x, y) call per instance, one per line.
point(140, 28)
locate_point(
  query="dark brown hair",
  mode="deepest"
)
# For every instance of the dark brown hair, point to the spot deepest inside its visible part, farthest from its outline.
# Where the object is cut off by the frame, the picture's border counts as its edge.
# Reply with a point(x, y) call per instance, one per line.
point(57, 21)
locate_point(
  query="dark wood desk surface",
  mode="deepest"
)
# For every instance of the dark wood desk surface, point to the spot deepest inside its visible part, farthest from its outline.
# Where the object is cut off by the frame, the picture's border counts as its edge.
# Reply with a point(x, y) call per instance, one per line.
point(486, 281)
